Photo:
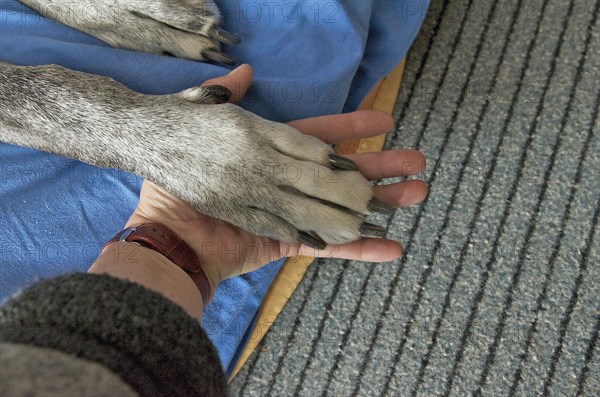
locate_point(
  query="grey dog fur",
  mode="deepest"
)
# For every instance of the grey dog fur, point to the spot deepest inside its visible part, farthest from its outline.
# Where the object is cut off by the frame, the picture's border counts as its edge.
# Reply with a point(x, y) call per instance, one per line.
point(265, 177)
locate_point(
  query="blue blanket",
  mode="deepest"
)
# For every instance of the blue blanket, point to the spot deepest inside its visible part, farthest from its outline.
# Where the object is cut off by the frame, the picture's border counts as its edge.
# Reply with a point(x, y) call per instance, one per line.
point(310, 58)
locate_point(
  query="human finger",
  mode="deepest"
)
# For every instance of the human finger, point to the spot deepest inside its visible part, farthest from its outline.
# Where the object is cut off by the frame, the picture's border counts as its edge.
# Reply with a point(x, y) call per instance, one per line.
point(343, 127)
point(402, 194)
point(365, 249)
point(237, 81)
point(389, 163)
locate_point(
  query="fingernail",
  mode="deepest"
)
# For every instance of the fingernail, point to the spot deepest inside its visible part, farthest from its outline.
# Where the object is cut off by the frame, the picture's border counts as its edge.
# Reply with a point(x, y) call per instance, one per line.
point(238, 68)
point(221, 93)
point(312, 241)
point(371, 230)
point(376, 205)
point(342, 163)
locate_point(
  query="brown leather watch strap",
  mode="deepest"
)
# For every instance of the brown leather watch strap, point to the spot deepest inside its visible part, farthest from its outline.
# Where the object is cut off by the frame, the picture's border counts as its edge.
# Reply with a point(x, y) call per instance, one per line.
point(164, 241)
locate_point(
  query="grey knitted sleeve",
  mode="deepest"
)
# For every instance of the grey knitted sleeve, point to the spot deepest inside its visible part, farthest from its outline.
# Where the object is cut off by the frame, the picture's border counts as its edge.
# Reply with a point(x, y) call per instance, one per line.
point(152, 344)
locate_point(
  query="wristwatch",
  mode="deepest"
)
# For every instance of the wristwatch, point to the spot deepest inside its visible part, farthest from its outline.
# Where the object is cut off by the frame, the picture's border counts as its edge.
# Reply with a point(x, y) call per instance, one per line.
point(163, 240)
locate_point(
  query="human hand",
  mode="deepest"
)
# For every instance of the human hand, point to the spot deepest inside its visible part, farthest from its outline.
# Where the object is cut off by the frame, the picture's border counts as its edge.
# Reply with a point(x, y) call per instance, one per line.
point(227, 251)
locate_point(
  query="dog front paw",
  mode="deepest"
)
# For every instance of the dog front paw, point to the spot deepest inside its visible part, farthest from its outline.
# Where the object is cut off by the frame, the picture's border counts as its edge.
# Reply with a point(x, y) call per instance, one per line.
point(183, 28)
point(267, 178)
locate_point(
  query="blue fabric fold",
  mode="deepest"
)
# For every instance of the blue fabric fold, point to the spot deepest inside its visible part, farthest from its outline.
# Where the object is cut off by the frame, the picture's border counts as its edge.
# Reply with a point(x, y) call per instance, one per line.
point(310, 58)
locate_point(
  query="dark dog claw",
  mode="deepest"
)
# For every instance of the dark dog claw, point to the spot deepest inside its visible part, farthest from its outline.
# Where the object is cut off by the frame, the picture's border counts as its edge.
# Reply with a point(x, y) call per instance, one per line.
point(342, 163)
point(225, 37)
point(218, 57)
point(312, 241)
point(370, 230)
point(220, 93)
point(376, 205)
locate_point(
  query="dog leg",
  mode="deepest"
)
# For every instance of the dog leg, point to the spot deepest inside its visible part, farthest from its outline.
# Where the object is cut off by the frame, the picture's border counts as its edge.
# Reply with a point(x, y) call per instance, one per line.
point(183, 28)
point(262, 176)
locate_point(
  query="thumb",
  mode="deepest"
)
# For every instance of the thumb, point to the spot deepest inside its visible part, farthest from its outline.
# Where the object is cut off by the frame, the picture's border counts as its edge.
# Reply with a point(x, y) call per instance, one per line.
point(237, 81)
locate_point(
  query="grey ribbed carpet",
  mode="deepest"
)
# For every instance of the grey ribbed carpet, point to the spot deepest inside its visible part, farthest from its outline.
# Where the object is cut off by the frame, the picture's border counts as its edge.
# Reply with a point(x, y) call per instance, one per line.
point(499, 291)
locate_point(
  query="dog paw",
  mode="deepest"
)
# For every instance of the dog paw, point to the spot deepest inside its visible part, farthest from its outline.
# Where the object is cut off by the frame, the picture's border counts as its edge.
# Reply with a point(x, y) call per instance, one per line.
point(265, 177)
point(206, 95)
point(183, 28)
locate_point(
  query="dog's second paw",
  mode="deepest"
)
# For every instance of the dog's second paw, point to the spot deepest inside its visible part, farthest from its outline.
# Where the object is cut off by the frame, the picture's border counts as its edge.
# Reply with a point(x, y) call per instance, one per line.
point(183, 28)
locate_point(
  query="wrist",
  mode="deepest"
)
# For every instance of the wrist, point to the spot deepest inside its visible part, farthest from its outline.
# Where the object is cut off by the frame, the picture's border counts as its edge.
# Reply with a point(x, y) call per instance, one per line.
point(154, 271)
point(161, 239)
point(194, 233)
